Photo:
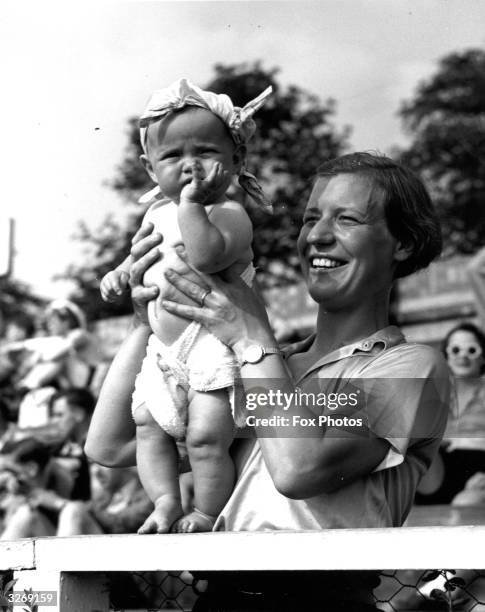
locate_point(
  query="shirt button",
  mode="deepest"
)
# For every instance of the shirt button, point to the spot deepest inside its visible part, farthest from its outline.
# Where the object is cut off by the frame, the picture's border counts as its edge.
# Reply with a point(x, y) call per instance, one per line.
point(366, 345)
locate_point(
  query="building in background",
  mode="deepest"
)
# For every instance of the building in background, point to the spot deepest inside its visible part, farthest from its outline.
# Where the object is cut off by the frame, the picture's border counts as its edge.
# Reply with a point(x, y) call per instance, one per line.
point(429, 303)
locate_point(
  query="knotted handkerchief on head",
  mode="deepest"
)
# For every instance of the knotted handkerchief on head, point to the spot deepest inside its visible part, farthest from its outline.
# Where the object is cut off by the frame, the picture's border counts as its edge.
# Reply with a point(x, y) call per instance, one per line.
point(239, 121)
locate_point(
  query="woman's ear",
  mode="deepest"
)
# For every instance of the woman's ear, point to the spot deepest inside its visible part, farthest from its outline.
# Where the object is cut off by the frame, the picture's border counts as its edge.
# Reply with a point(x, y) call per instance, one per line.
point(145, 162)
point(239, 156)
point(402, 252)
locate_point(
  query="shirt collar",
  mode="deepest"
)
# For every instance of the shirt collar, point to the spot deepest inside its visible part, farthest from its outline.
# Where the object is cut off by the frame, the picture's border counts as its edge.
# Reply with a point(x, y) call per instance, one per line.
point(378, 341)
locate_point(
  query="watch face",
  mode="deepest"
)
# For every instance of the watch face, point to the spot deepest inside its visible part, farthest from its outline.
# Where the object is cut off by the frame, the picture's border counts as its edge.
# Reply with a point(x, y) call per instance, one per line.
point(253, 353)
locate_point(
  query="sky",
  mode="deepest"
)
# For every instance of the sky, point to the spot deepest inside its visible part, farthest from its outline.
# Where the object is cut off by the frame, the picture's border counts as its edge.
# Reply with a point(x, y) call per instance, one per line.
point(73, 73)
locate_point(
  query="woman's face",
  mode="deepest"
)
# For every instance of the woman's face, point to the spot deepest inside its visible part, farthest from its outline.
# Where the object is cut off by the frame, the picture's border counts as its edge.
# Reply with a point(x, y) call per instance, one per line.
point(464, 354)
point(346, 250)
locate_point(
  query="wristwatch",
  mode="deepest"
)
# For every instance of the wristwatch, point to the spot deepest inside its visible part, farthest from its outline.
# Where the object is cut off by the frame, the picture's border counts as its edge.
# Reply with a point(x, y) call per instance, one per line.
point(255, 353)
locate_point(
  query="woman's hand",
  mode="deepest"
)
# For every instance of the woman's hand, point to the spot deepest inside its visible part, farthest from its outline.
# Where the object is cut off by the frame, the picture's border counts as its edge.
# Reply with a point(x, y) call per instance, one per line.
point(229, 309)
point(144, 253)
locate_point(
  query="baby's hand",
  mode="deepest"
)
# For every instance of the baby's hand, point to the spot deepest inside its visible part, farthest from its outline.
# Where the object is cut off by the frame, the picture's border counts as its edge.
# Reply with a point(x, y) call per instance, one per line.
point(202, 190)
point(113, 285)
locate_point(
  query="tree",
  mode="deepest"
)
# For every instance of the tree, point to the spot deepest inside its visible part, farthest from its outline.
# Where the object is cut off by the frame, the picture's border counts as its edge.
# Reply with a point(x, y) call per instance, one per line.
point(295, 135)
point(104, 248)
point(16, 296)
point(446, 119)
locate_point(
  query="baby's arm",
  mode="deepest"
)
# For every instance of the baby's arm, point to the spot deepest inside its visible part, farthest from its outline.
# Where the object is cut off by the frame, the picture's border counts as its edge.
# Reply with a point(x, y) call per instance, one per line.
point(213, 244)
point(115, 283)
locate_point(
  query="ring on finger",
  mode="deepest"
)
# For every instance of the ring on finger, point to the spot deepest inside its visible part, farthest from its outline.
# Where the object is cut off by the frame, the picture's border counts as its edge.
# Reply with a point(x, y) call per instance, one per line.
point(202, 299)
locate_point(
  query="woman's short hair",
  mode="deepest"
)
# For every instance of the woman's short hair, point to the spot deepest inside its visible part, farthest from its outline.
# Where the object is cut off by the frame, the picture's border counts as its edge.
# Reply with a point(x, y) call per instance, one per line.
point(410, 214)
point(469, 327)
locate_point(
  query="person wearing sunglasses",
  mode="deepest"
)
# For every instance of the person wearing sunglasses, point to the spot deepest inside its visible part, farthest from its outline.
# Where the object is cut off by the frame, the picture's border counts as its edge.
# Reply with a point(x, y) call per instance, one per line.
point(462, 454)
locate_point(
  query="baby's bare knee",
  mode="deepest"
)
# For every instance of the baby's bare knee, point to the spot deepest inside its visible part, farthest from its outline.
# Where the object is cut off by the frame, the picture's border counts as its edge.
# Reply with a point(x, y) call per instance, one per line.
point(203, 443)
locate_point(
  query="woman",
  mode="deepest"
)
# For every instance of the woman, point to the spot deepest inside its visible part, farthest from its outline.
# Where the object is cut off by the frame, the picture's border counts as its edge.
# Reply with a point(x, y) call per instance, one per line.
point(462, 454)
point(368, 221)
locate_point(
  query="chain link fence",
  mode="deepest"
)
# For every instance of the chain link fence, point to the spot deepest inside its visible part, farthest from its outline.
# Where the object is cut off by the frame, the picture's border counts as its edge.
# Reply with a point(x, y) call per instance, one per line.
point(449, 590)
point(176, 591)
point(400, 590)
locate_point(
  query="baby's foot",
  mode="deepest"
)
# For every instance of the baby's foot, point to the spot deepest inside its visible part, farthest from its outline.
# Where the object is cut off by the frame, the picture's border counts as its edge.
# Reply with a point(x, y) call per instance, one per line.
point(195, 521)
point(167, 510)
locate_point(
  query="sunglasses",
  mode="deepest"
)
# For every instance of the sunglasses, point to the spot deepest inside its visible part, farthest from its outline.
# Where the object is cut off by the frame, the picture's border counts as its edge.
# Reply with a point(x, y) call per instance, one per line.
point(473, 351)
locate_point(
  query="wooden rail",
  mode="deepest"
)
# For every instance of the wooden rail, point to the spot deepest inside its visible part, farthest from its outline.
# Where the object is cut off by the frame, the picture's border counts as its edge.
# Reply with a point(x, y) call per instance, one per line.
point(75, 567)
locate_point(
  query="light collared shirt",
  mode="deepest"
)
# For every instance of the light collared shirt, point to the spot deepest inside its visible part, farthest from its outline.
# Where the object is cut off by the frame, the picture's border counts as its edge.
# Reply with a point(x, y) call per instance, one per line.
point(406, 390)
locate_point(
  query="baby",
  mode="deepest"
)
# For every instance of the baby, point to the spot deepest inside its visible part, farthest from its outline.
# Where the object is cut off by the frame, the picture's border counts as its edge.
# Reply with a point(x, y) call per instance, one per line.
point(194, 144)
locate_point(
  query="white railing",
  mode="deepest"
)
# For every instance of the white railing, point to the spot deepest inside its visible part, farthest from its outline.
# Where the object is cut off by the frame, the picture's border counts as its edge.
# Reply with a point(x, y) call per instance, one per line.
point(75, 567)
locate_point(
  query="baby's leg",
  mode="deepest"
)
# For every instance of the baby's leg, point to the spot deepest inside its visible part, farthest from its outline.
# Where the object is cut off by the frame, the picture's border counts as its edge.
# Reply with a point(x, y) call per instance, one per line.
point(157, 461)
point(209, 436)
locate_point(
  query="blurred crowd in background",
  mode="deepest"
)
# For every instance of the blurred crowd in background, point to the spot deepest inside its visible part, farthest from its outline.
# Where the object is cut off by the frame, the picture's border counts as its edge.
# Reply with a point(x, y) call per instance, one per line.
point(49, 378)
point(51, 369)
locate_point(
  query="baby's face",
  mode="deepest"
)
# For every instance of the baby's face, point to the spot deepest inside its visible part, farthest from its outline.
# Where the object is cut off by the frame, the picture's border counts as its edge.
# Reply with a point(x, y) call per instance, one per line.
point(182, 139)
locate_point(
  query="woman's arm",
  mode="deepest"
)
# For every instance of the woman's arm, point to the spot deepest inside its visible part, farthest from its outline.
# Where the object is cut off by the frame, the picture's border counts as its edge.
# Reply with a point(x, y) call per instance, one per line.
point(111, 436)
point(300, 466)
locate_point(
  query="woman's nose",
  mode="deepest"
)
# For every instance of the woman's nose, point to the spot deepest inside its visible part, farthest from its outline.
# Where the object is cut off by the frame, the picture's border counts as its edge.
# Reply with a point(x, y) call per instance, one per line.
point(321, 232)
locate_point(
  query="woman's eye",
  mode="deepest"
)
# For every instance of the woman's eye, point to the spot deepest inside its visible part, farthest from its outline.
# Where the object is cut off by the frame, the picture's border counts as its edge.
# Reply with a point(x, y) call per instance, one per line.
point(309, 220)
point(348, 219)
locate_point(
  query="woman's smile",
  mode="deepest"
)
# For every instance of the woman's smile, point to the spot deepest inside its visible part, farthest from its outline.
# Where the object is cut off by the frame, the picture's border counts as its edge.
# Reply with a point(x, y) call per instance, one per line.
point(325, 263)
